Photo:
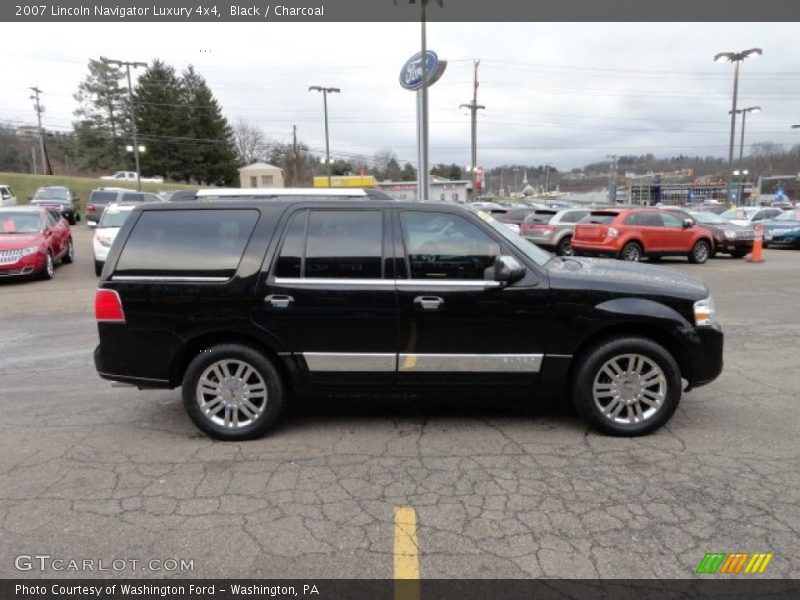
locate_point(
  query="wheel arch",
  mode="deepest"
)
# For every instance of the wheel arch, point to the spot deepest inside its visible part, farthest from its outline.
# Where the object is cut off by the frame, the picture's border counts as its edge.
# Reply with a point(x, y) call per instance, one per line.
point(650, 331)
point(194, 345)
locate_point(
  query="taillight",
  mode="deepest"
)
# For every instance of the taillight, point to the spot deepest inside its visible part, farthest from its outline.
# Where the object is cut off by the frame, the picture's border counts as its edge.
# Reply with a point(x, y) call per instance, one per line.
point(612, 232)
point(90, 208)
point(108, 307)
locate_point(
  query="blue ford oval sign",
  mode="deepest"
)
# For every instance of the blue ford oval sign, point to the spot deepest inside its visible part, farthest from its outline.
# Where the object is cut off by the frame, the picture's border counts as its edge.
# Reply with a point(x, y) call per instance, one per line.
point(411, 73)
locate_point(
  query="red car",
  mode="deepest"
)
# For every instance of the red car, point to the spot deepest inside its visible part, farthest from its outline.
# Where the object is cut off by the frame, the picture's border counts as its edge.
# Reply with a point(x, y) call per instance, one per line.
point(32, 240)
point(632, 234)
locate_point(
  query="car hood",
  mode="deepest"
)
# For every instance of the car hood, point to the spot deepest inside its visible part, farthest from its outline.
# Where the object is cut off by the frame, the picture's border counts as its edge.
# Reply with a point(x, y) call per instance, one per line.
point(624, 277)
point(772, 224)
point(726, 226)
point(12, 241)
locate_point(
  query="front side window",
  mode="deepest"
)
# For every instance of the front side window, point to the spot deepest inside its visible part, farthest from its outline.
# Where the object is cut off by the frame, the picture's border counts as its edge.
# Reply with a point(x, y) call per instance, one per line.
point(671, 221)
point(198, 243)
point(447, 246)
point(342, 244)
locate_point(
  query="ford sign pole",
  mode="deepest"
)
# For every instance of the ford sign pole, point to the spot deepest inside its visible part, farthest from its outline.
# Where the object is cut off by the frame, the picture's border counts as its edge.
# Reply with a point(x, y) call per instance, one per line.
point(423, 185)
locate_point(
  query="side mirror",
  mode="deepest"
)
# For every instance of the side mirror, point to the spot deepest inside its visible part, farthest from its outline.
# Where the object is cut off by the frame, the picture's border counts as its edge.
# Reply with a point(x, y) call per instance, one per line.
point(507, 269)
point(688, 223)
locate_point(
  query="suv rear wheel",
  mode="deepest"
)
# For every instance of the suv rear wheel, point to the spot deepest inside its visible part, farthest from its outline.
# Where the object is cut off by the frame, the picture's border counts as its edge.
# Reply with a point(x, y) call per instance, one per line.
point(233, 392)
point(564, 247)
point(627, 386)
point(632, 252)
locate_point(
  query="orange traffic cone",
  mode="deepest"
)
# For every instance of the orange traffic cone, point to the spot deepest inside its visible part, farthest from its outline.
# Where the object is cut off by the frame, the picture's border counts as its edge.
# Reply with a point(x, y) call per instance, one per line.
point(755, 255)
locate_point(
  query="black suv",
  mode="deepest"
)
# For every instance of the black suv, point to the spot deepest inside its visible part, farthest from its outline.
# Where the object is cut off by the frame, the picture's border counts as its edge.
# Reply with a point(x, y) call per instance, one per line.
point(243, 302)
point(60, 198)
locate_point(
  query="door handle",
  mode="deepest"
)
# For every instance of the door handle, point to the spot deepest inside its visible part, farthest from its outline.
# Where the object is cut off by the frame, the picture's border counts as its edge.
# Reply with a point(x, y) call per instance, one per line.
point(279, 301)
point(428, 302)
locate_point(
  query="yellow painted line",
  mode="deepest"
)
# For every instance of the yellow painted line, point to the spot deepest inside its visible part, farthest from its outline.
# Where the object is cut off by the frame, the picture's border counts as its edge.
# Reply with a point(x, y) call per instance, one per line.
point(406, 554)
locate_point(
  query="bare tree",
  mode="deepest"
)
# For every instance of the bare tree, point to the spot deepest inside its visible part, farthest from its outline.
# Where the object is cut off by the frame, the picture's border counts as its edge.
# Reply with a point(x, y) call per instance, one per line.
point(250, 142)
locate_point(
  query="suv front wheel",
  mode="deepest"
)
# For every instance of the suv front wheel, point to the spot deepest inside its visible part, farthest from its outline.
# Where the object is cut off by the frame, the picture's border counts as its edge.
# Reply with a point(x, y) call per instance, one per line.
point(233, 392)
point(627, 386)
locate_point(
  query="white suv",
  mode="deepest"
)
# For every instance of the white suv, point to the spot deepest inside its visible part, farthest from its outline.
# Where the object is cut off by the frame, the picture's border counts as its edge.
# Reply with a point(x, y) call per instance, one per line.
point(7, 197)
point(112, 219)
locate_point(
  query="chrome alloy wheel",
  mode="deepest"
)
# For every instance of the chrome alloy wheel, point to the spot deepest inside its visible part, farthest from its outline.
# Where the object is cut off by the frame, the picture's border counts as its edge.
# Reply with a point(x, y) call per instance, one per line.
point(231, 393)
point(629, 388)
point(632, 253)
point(70, 251)
point(48, 266)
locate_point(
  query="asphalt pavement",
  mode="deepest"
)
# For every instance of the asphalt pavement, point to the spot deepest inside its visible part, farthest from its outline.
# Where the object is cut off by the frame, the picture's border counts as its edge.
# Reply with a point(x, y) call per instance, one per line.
point(501, 487)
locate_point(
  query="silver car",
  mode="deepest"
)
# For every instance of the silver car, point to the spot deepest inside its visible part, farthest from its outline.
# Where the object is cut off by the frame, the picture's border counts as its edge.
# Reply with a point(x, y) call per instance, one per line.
point(552, 229)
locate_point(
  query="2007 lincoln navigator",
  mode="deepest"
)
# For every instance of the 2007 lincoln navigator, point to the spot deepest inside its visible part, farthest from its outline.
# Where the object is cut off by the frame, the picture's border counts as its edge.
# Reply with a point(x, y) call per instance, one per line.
point(244, 299)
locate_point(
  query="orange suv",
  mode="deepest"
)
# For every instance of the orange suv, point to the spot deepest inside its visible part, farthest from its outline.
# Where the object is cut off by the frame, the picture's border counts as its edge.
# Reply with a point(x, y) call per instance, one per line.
point(632, 234)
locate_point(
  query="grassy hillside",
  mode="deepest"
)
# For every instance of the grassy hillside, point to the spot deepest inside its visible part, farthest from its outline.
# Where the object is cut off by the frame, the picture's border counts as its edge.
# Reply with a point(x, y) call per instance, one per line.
point(25, 185)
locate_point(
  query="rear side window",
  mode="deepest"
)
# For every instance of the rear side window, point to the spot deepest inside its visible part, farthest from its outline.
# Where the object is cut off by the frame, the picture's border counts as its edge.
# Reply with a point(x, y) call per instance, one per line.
point(540, 216)
point(102, 197)
point(600, 218)
point(132, 197)
point(573, 216)
point(187, 243)
point(344, 244)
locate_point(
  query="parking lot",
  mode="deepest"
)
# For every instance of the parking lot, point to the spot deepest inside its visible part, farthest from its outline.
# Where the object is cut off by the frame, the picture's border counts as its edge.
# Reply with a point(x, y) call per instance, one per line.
point(501, 487)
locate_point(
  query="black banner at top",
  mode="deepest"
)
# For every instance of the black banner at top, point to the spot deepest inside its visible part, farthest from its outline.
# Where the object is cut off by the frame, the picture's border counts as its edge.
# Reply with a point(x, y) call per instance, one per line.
point(400, 10)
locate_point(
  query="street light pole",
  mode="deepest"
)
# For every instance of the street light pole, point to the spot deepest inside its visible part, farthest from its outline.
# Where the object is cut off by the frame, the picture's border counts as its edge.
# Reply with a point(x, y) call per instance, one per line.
point(743, 111)
point(474, 107)
point(128, 65)
point(736, 58)
point(325, 91)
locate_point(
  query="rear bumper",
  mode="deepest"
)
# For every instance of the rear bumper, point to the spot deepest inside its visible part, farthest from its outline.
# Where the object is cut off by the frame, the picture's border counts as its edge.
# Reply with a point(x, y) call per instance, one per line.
point(105, 371)
point(586, 248)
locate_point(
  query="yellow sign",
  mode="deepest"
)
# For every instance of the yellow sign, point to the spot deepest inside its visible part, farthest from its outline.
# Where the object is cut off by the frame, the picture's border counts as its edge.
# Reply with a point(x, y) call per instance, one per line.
point(346, 181)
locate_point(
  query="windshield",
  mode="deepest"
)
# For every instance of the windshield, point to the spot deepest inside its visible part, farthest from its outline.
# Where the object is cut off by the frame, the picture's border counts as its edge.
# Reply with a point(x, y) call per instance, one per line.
point(102, 197)
point(50, 194)
point(792, 215)
point(113, 217)
point(20, 223)
point(532, 251)
point(737, 213)
point(707, 217)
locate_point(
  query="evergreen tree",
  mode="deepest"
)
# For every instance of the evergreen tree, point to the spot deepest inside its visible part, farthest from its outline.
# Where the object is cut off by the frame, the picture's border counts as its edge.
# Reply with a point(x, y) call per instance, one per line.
point(212, 157)
point(161, 121)
point(102, 117)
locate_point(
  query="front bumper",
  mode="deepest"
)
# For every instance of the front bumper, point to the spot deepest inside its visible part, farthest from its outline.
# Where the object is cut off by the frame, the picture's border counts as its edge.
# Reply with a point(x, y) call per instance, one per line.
point(27, 265)
point(704, 348)
point(735, 245)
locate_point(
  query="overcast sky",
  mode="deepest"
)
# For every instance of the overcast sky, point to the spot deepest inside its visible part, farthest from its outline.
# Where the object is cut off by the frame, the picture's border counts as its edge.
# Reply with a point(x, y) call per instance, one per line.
point(565, 94)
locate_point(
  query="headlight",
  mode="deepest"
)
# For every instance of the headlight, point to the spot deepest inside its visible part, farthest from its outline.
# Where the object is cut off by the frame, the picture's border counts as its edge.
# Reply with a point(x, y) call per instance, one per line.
point(104, 240)
point(28, 251)
point(704, 312)
point(731, 235)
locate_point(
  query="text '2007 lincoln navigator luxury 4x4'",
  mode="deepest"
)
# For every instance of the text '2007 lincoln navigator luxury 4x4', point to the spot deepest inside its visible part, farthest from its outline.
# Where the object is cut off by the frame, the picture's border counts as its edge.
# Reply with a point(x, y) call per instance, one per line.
point(243, 300)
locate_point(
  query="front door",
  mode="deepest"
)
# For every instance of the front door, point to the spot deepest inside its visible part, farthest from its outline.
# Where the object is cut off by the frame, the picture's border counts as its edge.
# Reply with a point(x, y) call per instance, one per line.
point(457, 324)
point(330, 297)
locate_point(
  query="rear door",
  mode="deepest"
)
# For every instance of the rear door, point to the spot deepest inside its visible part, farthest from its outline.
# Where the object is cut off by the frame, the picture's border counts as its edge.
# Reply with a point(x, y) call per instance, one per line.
point(458, 325)
point(677, 238)
point(330, 296)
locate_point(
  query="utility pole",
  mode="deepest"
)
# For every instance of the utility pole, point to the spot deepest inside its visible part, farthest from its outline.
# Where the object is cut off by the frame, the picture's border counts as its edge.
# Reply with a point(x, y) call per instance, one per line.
point(325, 91)
point(294, 155)
point(39, 110)
point(128, 65)
point(612, 179)
point(474, 107)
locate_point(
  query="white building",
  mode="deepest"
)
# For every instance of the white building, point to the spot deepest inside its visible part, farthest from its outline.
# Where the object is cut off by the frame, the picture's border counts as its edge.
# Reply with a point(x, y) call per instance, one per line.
point(442, 190)
point(260, 175)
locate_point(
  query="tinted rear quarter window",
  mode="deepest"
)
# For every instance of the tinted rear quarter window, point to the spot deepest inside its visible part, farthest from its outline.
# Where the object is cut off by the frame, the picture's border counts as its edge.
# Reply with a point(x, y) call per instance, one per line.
point(192, 243)
point(600, 218)
point(102, 197)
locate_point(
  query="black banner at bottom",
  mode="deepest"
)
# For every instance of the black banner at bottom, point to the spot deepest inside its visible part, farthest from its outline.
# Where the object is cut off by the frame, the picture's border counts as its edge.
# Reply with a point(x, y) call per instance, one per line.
point(388, 589)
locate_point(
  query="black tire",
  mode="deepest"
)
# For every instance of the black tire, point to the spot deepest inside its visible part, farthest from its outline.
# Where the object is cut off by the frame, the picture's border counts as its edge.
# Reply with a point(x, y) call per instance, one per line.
point(98, 267)
point(632, 252)
point(71, 220)
point(590, 368)
point(564, 247)
point(49, 268)
point(765, 245)
point(655, 258)
point(739, 253)
point(77, 216)
point(700, 252)
point(69, 255)
point(261, 365)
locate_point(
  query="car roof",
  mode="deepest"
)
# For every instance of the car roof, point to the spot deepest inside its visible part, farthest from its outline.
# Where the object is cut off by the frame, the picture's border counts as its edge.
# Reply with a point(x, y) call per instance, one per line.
point(269, 192)
point(122, 205)
point(26, 208)
point(112, 189)
point(53, 187)
point(284, 201)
